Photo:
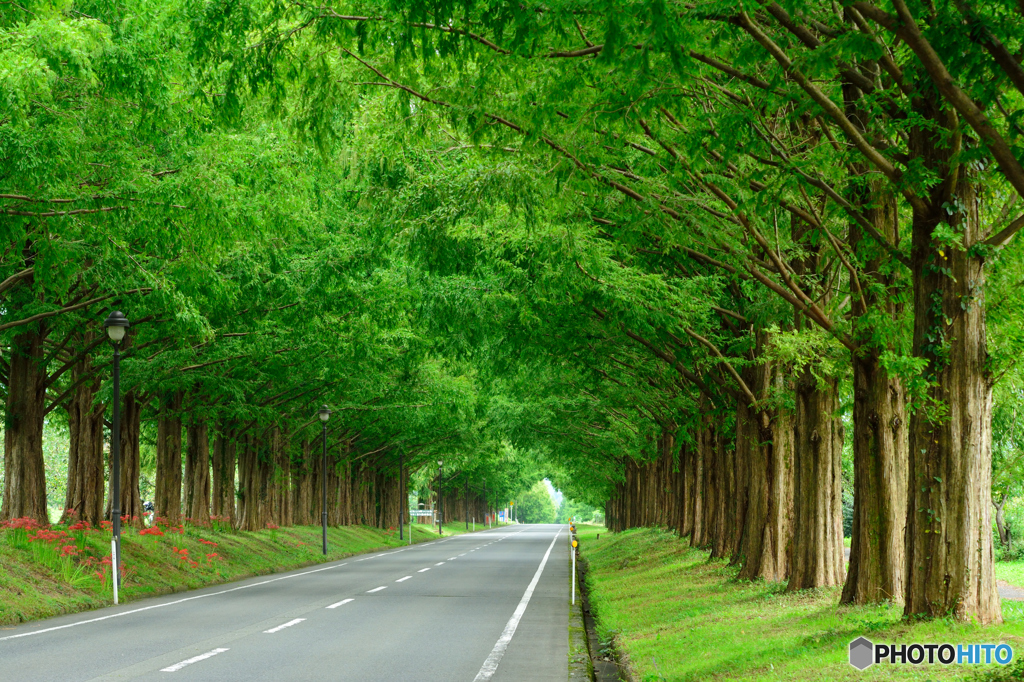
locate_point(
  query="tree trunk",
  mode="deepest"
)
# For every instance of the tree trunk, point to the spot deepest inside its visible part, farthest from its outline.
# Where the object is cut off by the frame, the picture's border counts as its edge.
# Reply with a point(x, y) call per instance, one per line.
point(24, 473)
point(817, 558)
point(877, 547)
point(698, 510)
point(248, 485)
point(168, 460)
point(197, 473)
point(84, 498)
point(877, 556)
point(1004, 532)
point(131, 427)
point(949, 511)
point(724, 496)
point(687, 454)
point(222, 487)
point(768, 523)
point(747, 439)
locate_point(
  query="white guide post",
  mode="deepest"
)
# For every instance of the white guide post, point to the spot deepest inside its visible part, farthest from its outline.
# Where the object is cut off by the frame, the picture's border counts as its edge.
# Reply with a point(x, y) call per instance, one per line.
point(113, 562)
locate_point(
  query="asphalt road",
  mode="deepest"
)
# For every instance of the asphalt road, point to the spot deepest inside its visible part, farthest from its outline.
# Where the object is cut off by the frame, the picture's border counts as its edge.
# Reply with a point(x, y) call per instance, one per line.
point(460, 608)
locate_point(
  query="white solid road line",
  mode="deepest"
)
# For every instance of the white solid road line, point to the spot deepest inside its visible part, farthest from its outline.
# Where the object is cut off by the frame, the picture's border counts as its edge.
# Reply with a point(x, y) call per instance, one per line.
point(402, 580)
point(195, 659)
point(282, 627)
point(490, 665)
point(340, 603)
point(423, 569)
point(378, 589)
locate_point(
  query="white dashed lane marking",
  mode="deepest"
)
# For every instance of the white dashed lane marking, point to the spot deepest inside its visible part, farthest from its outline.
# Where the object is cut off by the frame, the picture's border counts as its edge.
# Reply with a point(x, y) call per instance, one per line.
point(282, 627)
point(378, 589)
point(340, 603)
point(402, 580)
point(195, 659)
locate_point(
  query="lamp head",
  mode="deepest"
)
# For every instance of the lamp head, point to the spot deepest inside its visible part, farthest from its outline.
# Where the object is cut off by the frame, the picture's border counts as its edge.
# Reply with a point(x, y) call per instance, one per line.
point(117, 325)
point(324, 413)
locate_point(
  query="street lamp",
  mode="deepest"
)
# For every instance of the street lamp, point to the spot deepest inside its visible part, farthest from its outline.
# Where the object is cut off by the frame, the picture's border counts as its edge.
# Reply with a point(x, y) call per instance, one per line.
point(440, 505)
point(324, 413)
point(117, 325)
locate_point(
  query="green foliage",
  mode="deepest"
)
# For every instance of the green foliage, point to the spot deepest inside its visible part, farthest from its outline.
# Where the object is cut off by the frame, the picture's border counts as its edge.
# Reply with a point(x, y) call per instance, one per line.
point(535, 505)
point(582, 513)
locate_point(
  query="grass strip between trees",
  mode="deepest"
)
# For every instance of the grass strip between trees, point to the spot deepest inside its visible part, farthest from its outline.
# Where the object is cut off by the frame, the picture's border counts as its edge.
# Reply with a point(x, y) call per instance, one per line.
point(41, 577)
point(679, 616)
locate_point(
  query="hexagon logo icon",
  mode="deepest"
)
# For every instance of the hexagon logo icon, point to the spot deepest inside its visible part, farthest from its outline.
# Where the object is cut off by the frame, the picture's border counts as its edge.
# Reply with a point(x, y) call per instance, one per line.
point(862, 653)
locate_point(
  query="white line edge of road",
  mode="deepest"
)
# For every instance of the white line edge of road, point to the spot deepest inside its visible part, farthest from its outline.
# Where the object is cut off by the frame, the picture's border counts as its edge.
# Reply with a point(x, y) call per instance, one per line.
point(195, 659)
point(290, 623)
point(490, 665)
point(340, 603)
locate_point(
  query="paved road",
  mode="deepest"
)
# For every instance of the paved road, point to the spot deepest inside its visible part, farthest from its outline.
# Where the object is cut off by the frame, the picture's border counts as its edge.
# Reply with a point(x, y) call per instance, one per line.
point(461, 608)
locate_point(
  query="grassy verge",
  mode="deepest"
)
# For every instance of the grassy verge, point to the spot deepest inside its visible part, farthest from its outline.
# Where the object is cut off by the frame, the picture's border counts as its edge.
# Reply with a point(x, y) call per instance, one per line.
point(679, 616)
point(1012, 572)
point(64, 571)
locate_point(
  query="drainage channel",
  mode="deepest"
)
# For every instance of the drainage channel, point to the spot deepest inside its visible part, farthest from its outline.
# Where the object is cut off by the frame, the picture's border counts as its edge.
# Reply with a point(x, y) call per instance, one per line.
point(589, 657)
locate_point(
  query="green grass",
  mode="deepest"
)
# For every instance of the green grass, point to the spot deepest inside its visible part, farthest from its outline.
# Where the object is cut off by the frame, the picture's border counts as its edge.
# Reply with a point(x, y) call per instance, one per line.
point(679, 616)
point(1011, 571)
point(35, 582)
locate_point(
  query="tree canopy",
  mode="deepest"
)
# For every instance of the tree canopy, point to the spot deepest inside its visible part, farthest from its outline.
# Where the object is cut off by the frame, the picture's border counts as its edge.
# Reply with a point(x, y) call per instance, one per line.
point(653, 252)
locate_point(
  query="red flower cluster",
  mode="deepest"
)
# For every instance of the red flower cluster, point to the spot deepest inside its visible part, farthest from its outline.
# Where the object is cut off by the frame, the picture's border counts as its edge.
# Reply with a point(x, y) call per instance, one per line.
point(24, 523)
point(49, 535)
point(69, 550)
point(183, 556)
point(272, 526)
point(208, 542)
point(155, 530)
point(81, 525)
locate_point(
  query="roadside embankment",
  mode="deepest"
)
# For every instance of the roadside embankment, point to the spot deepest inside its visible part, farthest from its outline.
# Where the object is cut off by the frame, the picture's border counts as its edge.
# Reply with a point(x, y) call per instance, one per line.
point(676, 615)
point(59, 570)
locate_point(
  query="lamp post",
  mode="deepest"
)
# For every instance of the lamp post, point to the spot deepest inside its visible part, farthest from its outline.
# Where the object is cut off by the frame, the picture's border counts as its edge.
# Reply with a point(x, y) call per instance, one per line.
point(324, 413)
point(116, 325)
point(440, 506)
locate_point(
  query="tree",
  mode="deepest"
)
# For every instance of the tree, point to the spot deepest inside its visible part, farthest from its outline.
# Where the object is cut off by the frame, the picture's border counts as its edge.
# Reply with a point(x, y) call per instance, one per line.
point(535, 505)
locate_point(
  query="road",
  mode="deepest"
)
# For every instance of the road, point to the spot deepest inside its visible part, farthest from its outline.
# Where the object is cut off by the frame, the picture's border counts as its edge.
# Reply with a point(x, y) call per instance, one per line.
point(460, 608)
